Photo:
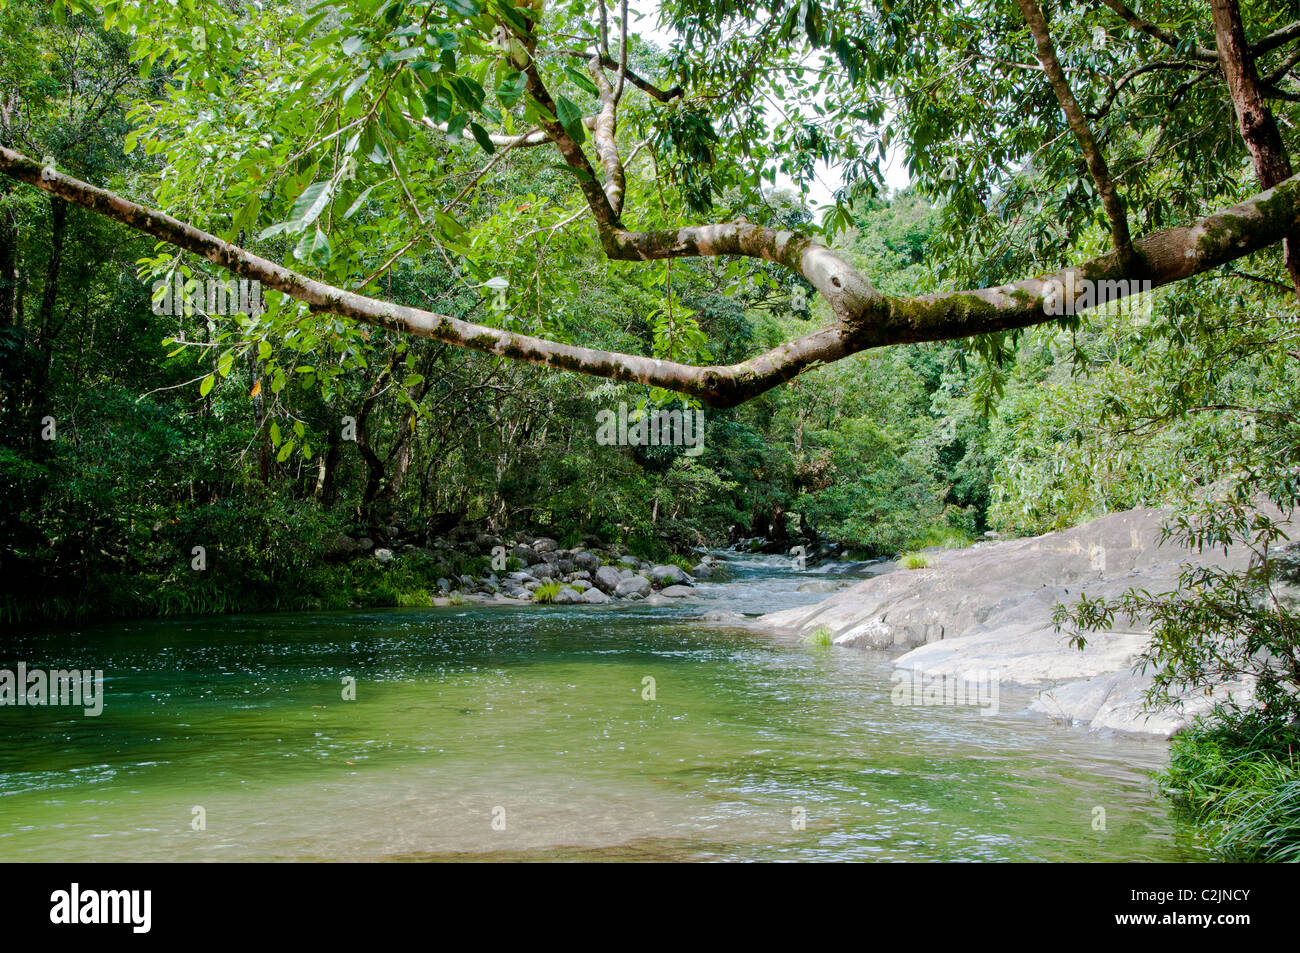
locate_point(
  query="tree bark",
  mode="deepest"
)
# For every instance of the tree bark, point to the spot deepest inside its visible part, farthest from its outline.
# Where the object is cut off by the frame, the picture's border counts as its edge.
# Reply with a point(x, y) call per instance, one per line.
point(864, 318)
point(1254, 118)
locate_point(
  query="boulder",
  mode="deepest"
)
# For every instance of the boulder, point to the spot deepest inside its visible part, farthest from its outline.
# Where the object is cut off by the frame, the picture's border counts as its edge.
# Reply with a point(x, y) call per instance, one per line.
point(586, 560)
point(545, 545)
point(341, 547)
point(608, 578)
point(667, 575)
point(384, 555)
point(702, 571)
point(636, 587)
point(567, 597)
point(989, 607)
point(818, 585)
point(526, 554)
point(677, 592)
point(594, 597)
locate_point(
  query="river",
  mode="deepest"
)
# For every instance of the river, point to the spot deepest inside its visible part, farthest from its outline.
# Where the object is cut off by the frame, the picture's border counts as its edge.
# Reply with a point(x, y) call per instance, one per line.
point(528, 733)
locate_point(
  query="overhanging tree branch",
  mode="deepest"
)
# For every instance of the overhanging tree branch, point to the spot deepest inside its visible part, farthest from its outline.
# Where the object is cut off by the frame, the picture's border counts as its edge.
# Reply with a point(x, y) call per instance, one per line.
point(865, 318)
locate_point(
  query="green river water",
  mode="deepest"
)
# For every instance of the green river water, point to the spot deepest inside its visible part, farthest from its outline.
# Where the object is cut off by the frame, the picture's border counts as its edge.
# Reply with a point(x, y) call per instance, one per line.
point(523, 733)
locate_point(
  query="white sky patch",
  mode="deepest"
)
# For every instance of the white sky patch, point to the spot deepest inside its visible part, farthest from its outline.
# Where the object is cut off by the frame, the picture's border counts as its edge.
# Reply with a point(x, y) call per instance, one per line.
point(644, 20)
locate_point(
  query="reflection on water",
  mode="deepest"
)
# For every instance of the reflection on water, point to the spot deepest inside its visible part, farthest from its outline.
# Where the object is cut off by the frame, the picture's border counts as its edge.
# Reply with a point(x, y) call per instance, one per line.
point(534, 720)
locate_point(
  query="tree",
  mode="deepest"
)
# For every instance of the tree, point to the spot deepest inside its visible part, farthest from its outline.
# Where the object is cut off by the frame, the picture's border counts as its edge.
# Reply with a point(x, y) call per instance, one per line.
point(307, 121)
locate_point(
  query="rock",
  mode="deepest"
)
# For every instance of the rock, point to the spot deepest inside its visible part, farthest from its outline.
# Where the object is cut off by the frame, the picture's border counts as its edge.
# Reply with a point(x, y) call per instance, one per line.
point(384, 555)
point(567, 597)
point(989, 607)
point(526, 554)
point(818, 585)
point(444, 584)
point(588, 561)
point(608, 578)
point(545, 545)
point(544, 571)
point(702, 571)
point(365, 544)
point(724, 617)
point(594, 597)
point(669, 575)
point(657, 599)
point(677, 592)
point(580, 584)
point(636, 587)
point(580, 574)
point(341, 547)
point(630, 561)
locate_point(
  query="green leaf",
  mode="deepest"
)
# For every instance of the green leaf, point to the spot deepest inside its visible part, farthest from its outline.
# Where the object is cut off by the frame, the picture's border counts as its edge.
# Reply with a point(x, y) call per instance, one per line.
point(510, 89)
point(275, 434)
point(263, 350)
point(481, 135)
point(580, 79)
point(206, 386)
point(314, 200)
point(314, 249)
point(570, 117)
point(356, 84)
point(287, 449)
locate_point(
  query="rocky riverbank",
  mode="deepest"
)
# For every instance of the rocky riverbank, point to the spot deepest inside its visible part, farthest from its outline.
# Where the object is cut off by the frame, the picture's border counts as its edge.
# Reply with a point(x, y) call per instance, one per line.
point(488, 570)
point(989, 608)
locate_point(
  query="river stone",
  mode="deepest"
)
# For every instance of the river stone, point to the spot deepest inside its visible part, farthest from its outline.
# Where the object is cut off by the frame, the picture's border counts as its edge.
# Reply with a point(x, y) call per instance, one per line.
point(365, 543)
point(637, 586)
point(594, 597)
point(585, 560)
point(657, 600)
point(818, 585)
point(526, 554)
point(544, 571)
point(631, 561)
point(580, 584)
point(670, 575)
point(567, 597)
point(545, 545)
point(608, 578)
point(676, 592)
point(702, 571)
point(384, 555)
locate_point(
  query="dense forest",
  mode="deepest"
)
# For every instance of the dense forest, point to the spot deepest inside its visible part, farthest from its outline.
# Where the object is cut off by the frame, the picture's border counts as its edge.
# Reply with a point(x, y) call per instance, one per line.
point(379, 147)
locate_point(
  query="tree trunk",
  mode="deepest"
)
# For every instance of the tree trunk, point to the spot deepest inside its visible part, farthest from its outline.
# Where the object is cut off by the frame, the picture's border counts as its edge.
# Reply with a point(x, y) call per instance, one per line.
point(1254, 119)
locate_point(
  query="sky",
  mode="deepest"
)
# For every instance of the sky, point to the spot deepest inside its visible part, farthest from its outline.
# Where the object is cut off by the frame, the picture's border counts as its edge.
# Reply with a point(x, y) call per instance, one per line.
point(820, 191)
